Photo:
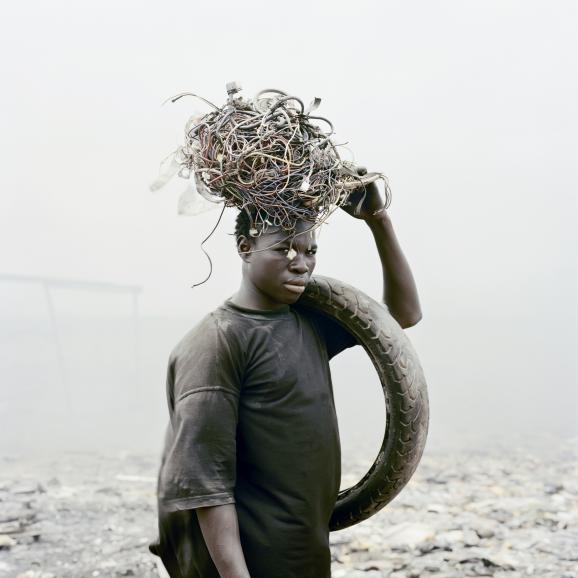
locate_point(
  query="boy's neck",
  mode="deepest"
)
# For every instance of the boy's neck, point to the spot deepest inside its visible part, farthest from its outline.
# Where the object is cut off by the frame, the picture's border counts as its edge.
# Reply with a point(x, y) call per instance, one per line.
point(252, 299)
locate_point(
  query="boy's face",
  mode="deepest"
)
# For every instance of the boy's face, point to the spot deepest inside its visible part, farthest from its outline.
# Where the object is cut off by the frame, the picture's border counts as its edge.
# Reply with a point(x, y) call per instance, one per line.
point(278, 274)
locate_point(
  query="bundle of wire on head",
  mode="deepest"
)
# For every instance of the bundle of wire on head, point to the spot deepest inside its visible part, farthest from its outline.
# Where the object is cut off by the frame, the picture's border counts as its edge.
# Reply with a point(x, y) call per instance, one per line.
point(266, 156)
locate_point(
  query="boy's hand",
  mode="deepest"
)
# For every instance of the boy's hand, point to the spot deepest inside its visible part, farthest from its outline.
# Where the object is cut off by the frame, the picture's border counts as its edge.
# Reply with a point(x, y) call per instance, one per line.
point(369, 205)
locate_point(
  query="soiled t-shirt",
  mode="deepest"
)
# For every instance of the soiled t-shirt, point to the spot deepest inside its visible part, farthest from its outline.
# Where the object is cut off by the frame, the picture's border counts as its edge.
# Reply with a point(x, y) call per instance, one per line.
point(253, 423)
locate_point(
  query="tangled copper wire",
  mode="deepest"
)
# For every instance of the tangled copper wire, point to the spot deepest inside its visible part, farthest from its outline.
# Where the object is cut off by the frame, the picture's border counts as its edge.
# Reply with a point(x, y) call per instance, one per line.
point(267, 156)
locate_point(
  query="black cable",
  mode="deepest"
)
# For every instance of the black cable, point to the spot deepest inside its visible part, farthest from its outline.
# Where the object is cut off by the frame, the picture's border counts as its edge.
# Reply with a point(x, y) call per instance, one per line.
point(208, 257)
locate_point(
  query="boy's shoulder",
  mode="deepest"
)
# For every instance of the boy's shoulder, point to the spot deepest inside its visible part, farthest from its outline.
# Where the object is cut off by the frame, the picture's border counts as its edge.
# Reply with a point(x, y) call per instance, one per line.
point(221, 325)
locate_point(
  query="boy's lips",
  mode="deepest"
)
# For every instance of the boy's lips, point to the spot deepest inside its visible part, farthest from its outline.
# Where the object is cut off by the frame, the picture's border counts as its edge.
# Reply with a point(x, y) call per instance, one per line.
point(295, 285)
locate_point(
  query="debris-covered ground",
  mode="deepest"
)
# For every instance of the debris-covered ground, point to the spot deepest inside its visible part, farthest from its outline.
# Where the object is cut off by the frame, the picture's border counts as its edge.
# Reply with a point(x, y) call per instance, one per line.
point(502, 513)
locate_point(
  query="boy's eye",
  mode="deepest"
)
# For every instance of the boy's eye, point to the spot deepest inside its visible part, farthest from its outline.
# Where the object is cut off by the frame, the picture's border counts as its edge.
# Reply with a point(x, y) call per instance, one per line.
point(285, 249)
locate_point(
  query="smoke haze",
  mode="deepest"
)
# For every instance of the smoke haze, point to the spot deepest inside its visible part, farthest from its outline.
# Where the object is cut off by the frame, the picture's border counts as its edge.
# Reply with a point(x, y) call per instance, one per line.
point(468, 108)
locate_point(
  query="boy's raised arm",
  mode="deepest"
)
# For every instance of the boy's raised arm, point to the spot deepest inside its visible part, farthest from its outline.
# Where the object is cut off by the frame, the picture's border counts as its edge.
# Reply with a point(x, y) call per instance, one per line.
point(399, 288)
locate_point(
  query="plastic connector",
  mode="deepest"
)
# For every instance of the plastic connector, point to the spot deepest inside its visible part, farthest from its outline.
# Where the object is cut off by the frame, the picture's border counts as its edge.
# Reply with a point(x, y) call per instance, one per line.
point(232, 88)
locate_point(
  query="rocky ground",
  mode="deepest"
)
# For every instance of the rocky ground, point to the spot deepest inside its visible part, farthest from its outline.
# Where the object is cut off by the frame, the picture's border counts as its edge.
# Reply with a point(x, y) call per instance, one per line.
point(503, 513)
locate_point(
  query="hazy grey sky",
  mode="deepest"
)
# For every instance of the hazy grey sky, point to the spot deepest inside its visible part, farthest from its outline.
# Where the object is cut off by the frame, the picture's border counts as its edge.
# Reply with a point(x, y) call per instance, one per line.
point(468, 107)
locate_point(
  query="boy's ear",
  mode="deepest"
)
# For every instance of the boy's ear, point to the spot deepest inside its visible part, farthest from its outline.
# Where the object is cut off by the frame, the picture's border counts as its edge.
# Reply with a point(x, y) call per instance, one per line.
point(243, 244)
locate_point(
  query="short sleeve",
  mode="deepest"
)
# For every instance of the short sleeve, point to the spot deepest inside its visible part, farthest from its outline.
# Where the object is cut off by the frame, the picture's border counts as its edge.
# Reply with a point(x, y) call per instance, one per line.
point(203, 387)
point(336, 337)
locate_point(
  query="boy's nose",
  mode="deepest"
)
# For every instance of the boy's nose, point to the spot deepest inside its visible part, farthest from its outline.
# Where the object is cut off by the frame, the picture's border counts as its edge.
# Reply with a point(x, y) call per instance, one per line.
point(298, 264)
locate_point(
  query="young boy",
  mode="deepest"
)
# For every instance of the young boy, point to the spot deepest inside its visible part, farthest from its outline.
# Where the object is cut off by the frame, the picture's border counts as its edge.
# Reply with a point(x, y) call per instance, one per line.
point(251, 467)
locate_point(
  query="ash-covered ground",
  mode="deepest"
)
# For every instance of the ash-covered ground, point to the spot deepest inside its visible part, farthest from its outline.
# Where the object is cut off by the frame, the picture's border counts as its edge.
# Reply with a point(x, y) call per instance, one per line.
point(503, 512)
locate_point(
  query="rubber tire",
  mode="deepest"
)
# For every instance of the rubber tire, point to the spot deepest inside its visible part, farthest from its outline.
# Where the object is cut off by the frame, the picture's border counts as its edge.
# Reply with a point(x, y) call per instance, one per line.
point(404, 388)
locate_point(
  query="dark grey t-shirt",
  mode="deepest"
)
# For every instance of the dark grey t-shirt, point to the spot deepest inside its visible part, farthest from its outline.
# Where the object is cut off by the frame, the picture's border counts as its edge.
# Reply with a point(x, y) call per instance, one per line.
point(253, 422)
